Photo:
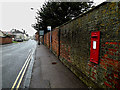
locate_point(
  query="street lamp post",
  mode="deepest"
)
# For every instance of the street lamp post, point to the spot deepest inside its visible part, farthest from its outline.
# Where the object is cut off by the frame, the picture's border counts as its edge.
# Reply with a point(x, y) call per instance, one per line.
point(38, 37)
point(38, 29)
point(49, 29)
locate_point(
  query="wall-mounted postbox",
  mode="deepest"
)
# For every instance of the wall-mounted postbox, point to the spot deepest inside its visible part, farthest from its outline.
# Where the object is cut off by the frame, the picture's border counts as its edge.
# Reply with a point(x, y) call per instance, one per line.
point(94, 50)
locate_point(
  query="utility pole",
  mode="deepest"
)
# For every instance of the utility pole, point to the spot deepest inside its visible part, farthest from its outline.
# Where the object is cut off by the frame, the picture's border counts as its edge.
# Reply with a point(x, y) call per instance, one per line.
point(39, 37)
point(49, 29)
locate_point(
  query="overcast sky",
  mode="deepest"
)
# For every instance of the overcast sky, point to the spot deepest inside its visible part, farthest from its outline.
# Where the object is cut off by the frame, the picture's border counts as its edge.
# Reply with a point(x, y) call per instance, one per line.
point(17, 14)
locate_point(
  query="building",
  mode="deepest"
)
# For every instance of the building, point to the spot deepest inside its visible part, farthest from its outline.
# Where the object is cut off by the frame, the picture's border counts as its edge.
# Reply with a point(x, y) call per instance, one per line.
point(5, 38)
point(19, 35)
point(36, 36)
point(26, 37)
point(1, 34)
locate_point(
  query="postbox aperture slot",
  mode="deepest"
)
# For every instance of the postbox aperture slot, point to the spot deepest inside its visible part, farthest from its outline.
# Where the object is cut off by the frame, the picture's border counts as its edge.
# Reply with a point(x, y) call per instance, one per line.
point(94, 36)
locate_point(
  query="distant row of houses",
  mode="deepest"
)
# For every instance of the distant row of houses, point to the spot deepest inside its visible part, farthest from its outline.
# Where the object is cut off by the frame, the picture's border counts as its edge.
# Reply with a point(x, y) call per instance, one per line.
point(19, 35)
point(13, 35)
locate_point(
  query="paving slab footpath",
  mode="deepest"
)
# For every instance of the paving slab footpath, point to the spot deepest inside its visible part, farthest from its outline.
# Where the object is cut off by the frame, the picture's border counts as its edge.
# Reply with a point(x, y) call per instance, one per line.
point(49, 72)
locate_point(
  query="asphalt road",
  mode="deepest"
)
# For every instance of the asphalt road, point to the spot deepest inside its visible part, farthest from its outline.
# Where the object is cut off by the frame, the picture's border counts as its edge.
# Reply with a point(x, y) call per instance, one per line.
point(13, 58)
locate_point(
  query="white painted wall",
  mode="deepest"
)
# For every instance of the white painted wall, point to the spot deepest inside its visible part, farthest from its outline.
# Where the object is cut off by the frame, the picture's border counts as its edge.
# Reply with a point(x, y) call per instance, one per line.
point(19, 35)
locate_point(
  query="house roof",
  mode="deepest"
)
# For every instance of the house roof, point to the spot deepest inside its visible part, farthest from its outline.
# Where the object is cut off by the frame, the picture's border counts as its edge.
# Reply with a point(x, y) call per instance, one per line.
point(7, 33)
point(36, 33)
point(17, 31)
point(2, 33)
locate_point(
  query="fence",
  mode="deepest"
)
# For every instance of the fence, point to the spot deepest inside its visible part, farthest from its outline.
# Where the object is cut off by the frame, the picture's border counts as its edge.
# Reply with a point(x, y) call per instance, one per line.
point(5, 40)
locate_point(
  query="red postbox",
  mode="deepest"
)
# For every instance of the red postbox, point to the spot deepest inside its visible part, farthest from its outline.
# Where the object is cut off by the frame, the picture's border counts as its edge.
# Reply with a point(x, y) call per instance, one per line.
point(94, 50)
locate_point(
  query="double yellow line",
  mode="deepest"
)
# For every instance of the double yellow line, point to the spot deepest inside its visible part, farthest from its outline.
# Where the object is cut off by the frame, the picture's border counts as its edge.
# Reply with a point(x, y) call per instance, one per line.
point(19, 78)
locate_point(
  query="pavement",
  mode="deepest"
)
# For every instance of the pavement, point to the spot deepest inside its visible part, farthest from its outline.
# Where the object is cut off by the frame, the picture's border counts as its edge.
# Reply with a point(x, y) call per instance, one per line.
point(49, 72)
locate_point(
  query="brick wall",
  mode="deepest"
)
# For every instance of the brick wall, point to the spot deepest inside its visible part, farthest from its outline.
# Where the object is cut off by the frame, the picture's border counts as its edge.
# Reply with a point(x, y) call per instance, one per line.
point(5, 40)
point(47, 39)
point(75, 41)
point(55, 41)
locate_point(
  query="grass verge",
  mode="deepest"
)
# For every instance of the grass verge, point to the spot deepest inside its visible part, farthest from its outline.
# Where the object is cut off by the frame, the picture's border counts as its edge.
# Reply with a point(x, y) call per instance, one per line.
point(14, 42)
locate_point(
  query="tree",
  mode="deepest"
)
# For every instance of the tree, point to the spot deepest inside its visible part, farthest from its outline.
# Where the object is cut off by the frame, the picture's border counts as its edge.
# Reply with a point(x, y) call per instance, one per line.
point(56, 13)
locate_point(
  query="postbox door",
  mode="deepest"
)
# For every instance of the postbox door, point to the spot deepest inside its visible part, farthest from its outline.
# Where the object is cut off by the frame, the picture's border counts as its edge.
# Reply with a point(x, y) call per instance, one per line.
point(94, 50)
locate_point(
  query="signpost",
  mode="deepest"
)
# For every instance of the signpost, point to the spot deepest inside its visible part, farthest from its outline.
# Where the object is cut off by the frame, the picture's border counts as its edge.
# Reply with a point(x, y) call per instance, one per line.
point(49, 29)
point(41, 32)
